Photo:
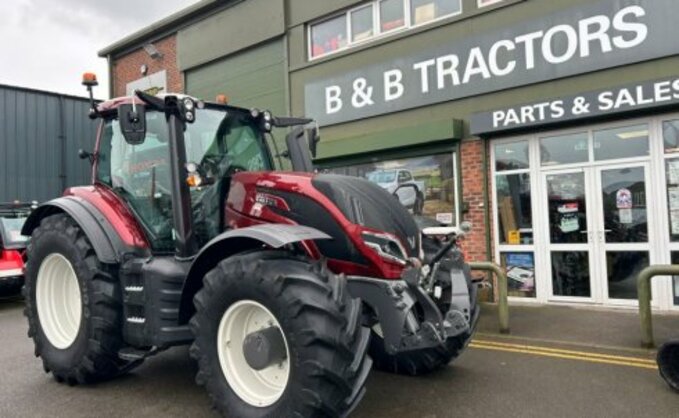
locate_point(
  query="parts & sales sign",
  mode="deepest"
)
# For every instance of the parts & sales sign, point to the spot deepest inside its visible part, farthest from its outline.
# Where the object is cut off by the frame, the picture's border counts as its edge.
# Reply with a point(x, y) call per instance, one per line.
point(637, 97)
point(582, 39)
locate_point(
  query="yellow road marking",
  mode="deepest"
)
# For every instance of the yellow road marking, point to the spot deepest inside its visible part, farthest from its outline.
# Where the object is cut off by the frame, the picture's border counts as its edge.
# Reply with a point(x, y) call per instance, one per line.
point(567, 352)
point(631, 362)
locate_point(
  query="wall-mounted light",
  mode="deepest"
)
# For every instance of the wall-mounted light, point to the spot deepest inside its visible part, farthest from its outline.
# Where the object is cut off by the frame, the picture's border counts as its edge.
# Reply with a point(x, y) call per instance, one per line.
point(153, 51)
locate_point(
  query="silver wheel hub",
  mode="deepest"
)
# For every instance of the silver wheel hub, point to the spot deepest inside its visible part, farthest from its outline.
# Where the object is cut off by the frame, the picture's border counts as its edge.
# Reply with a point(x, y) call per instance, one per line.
point(58, 300)
point(258, 388)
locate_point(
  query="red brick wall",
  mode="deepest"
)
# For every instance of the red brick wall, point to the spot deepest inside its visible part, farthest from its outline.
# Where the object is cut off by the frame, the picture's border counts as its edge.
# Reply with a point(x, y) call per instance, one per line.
point(472, 195)
point(127, 68)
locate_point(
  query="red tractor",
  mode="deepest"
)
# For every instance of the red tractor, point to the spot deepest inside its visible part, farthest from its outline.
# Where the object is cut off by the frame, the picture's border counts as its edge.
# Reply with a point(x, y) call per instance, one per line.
point(282, 282)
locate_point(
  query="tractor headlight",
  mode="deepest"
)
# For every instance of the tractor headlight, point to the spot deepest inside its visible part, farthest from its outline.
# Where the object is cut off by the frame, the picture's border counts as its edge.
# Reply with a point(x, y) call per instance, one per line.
point(267, 116)
point(189, 105)
point(386, 246)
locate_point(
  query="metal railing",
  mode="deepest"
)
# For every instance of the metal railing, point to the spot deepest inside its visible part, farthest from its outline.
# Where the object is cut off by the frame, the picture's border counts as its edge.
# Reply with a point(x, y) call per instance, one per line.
point(502, 304)
point(644, 295)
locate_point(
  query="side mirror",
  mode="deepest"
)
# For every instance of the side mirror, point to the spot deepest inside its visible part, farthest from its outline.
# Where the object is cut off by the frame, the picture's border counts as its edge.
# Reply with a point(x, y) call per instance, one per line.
point(298, 150)
point(132, 123)
point(82, 154)
point(314, 137)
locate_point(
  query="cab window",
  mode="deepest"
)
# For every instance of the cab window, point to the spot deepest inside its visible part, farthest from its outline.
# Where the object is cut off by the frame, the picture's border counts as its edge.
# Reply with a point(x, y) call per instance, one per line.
point(140, 174)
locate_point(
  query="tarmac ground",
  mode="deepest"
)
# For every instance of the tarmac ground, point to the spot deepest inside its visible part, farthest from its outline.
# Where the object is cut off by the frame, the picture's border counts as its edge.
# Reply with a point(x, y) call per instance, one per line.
point(559, 362)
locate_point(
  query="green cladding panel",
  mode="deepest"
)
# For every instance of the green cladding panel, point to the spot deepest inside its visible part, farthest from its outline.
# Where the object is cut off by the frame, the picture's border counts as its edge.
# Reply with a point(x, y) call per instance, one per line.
point(252, 78)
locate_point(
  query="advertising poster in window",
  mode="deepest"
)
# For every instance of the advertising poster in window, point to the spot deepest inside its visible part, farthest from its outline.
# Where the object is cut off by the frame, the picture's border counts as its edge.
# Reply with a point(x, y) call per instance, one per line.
point(423, 185)
point(520, 269)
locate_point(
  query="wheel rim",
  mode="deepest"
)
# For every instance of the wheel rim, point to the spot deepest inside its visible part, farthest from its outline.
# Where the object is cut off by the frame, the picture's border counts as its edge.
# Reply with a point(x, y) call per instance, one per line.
point(58, 300)
point(258, 388)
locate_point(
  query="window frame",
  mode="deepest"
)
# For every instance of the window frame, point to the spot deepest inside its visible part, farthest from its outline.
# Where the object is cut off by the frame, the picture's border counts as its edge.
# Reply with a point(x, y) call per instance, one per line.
point(480, 5)
point(377, 32)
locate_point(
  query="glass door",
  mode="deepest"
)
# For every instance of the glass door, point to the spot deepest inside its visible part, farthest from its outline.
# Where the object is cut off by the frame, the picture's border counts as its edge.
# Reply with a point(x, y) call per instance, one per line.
point(623, 233)
point(570, 234)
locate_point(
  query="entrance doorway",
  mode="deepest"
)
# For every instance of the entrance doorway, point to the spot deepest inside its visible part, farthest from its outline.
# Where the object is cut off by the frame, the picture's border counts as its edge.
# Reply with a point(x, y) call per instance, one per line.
point(598, 234)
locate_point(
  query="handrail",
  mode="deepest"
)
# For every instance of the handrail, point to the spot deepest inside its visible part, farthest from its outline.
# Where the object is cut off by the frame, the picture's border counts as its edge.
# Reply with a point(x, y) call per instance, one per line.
point(644, 295)
point(502, 304)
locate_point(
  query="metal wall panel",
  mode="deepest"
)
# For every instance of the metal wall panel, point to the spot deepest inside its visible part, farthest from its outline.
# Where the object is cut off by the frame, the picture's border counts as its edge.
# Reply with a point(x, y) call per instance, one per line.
point(244, 24)
point(253, 78)
point(40, 134)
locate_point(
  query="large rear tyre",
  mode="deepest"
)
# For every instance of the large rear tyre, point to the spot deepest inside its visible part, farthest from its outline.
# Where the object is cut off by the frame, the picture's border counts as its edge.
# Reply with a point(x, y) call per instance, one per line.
point(414, 363)
point(321, 365)
point(73, 305)
point(668, 363)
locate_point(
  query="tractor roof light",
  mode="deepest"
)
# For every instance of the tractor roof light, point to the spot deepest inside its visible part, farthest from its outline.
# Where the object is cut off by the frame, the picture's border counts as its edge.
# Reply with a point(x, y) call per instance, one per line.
point(222, 99)
point(90, 80)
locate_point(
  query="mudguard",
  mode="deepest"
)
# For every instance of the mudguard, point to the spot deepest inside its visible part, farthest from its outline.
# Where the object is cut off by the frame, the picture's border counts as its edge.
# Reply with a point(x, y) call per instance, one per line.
point(105, 240)
point(236, 241)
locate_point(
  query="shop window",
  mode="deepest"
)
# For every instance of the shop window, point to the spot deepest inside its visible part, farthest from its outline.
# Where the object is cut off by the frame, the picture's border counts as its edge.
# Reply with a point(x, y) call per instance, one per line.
point(520, 268)
point(485, 3)
point(362, 24)
point(373, 19)
point(423, 11)
point(623, 269)
point(675, 279)
point(434, 195)
point(672, 183)
point(623, 198)
point(329, 36)
point(511, 156)
point(514, 209)
point(392, 15)
point(564, 149)
point(570, 274)
point(567, 208)
point(670, 130)
point(626, 142)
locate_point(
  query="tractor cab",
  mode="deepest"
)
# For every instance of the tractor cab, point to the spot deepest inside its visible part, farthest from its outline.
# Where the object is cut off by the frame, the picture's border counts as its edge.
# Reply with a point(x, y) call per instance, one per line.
point(135, 149)
point(222, 141)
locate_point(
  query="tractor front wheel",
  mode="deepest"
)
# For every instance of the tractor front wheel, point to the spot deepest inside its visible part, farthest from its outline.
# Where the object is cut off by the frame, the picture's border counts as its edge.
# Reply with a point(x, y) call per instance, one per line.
point(278, 336)
point(414, 363)
point(73, 305)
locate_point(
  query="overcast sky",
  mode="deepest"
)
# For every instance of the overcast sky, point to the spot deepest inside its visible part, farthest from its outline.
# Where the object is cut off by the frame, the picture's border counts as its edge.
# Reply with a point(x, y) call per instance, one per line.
point(48, 44)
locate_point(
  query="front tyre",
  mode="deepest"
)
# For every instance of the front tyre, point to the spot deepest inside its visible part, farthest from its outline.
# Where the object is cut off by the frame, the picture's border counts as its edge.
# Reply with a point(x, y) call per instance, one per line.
point(418, 362)
point(72, 305)
point(276, 336)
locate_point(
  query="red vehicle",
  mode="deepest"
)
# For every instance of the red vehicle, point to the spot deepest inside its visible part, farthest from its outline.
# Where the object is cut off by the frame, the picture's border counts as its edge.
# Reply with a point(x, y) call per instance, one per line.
point(287, 285)
point(12, 246)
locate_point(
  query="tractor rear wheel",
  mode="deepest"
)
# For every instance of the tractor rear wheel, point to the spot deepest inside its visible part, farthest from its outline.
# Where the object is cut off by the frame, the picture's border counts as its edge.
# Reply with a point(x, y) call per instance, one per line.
point(73, 305)
point(278, 336)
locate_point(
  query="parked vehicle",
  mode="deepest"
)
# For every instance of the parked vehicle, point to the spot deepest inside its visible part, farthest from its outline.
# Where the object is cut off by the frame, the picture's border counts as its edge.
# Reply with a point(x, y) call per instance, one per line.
point(668, 363)
point(276, 279)
point(402, 184)
point(12, 246)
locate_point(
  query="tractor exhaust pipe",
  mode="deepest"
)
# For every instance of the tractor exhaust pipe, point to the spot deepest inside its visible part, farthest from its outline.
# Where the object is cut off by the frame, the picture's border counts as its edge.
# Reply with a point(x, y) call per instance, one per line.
point(668, 363)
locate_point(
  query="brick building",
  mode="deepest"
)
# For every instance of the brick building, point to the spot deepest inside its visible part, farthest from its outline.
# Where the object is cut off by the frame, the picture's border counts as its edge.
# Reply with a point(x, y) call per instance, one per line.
point(547, 124)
